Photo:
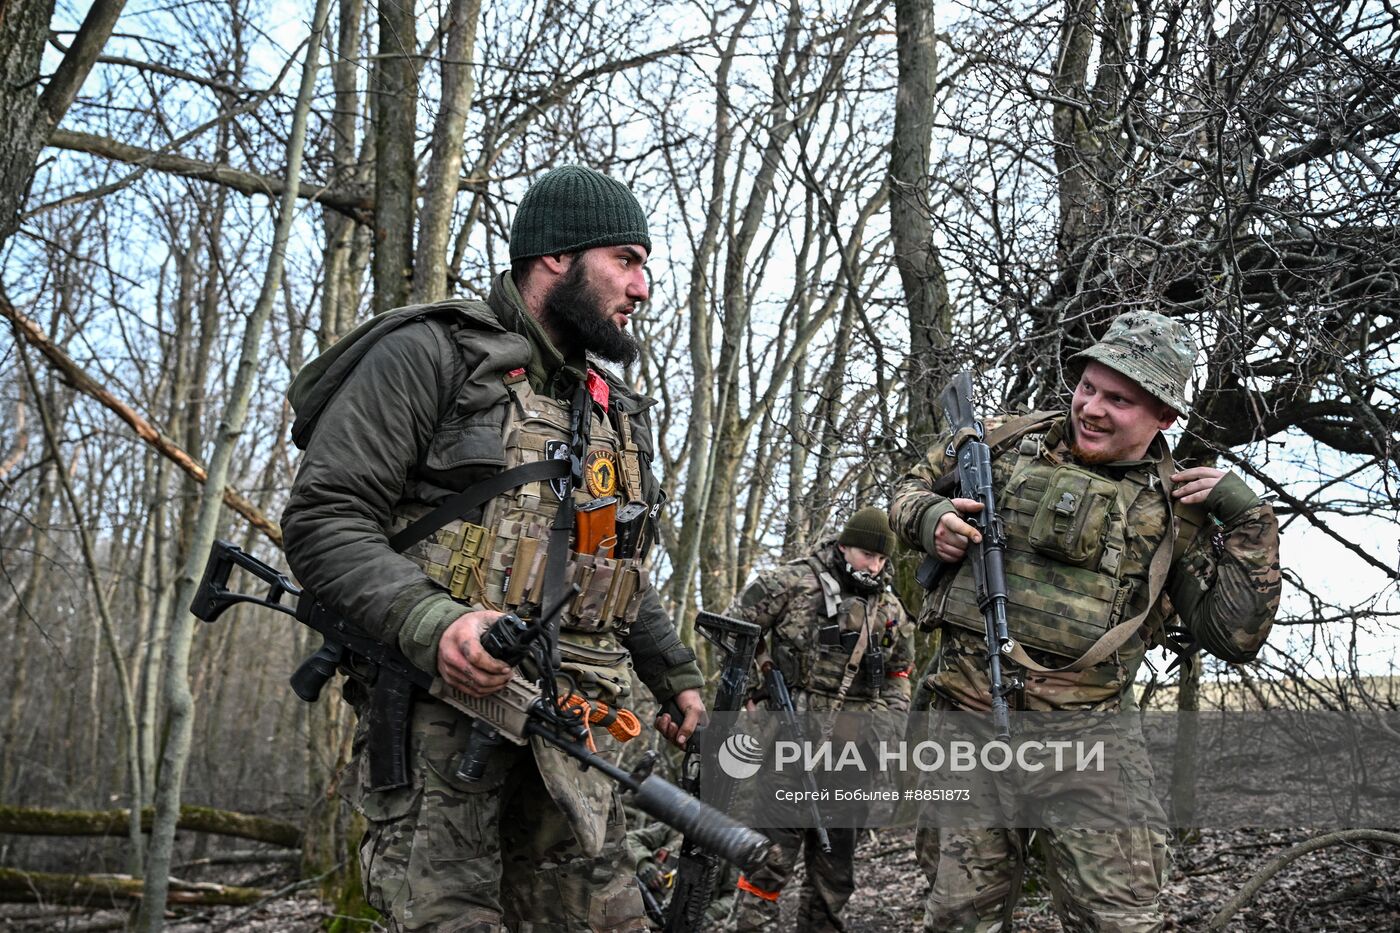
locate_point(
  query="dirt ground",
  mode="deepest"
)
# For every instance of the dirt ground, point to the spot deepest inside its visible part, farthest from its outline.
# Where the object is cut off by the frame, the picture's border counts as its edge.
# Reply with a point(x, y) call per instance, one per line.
point(1353, 886)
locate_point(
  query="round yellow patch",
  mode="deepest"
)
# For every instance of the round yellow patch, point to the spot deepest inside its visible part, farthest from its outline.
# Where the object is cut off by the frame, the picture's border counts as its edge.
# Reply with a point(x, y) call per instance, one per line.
point(600, 472)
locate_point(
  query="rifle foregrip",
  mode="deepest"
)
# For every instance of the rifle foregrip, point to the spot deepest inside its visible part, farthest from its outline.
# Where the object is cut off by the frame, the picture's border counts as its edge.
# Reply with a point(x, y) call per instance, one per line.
point(702, 823)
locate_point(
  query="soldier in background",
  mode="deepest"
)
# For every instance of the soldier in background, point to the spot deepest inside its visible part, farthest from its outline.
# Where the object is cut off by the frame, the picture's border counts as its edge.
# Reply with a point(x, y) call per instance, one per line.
point(1105, 472)
point(655, 848)
point(819, 614)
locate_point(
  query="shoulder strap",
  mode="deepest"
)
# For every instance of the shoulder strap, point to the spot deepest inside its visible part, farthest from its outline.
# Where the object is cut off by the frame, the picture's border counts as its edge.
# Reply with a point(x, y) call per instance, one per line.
point(831, 590)
point(478, 494)
point(1005, 435)
point(1001, 439)
point(848, 676)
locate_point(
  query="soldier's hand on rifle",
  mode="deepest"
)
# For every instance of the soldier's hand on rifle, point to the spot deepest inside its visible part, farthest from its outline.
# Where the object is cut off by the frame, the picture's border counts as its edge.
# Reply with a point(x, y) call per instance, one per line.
point(1195, 484)
point(692, 710)
point(463, 663)
point(952, 536)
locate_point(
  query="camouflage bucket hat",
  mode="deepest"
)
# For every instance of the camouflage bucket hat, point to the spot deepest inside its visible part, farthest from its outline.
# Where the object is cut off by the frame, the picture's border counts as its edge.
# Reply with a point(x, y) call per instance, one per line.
point(1152, 350)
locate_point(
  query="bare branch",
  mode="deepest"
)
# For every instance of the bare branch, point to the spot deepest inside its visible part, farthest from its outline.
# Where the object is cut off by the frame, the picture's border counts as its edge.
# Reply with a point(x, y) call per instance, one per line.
point(76, 377)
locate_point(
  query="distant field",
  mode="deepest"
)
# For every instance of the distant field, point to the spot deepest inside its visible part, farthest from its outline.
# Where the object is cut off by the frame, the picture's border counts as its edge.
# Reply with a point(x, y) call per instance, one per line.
point(1257, 694)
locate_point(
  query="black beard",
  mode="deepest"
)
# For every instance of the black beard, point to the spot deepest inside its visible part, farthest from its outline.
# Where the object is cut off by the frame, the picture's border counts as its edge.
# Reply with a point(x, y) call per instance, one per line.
point(576, 315)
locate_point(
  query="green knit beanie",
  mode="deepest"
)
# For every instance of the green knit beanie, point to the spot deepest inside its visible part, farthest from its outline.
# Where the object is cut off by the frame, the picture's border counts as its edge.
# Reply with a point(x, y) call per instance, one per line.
point(869, 529)
point(573, 208)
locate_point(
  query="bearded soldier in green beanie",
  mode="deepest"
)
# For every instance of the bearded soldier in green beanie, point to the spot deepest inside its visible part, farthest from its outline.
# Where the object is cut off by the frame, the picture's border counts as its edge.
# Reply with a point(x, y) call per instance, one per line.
point(840, 637)
point(425, 402)
point(1133, 538)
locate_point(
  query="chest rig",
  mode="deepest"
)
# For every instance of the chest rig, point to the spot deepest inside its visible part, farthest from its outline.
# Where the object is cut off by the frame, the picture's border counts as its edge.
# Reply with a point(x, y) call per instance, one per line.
point(847, 656)
point(1074, 591)
point(504, 563)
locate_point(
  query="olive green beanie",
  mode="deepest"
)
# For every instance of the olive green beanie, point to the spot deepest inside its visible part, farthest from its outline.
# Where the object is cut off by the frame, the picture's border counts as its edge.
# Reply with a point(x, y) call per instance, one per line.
point(870, 530)
point(573, 208)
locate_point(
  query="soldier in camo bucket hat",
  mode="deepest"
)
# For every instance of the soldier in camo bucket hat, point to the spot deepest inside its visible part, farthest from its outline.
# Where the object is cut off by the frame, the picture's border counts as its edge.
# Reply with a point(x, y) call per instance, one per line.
point(1152, 350)
point(1111, 547)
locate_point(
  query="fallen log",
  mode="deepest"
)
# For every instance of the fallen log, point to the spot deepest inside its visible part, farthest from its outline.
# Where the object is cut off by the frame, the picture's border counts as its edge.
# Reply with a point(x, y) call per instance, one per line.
point(29, 887)
point(38, 821)
point(288, 856)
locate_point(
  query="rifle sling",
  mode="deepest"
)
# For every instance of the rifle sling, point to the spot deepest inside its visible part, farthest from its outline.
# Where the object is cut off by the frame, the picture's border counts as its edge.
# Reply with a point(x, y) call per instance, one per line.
point(848, 676)
point(476, 495)
point(562, 529)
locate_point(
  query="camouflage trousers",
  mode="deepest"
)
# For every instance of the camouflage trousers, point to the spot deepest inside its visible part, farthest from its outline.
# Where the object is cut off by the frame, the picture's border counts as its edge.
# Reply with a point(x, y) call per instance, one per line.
point(1099, 879)
point(1105, 878)
point(457, 857)
point(829, 882)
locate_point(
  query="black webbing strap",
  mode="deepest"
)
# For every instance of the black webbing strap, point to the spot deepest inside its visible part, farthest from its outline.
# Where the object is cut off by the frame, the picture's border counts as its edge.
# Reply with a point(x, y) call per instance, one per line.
point(556, 561)
point(476, 495)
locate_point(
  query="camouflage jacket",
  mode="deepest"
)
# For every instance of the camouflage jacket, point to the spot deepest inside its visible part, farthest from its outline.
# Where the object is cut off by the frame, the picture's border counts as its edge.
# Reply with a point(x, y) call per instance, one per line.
point(790, 605)
point(1224, 587)
point(418, 418)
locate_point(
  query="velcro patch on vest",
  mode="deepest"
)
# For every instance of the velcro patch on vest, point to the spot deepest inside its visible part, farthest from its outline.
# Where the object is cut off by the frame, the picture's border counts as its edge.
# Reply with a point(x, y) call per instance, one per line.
point(558, 450)
point(600, 472)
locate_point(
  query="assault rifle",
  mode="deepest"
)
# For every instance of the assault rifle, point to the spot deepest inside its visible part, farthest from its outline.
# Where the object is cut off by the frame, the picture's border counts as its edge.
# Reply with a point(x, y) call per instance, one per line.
point(699, 867)
point(972, 479)
point(780, 702)
point(515, 713)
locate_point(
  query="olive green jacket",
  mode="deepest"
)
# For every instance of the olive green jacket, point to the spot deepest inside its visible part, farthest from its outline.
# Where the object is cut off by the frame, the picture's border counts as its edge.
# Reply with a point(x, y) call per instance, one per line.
point(413, 420)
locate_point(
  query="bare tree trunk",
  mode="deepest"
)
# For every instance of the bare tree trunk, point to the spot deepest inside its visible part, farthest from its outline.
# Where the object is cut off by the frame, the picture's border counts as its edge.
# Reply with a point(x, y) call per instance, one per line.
point(157, 631)
point(26, 118)
point(179, 702)
point(340, 294)
point(820, 496)
point(107, 625)
point(395, 111)
point(915, 253)
point(34, 584)
point(445, 164)
point(1070, 120)
point(717, 557)
point(795, 527)
point(760, 486)
point(700, 435)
